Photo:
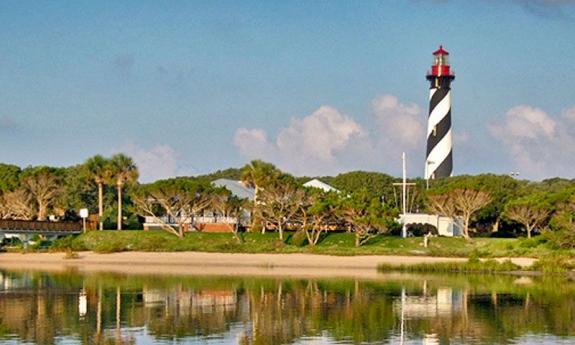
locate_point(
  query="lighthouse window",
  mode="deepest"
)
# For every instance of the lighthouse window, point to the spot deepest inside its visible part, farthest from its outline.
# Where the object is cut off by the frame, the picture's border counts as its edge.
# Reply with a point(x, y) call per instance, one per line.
point(440, 60)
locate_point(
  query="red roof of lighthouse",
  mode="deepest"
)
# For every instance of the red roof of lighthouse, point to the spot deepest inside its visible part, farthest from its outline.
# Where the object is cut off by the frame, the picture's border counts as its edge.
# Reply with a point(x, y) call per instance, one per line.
point(440, 51)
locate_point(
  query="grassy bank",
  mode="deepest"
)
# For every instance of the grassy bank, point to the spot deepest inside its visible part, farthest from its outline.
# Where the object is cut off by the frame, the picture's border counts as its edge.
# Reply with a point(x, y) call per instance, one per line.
point(331, 244)
point(553, 264)
point(473, 265)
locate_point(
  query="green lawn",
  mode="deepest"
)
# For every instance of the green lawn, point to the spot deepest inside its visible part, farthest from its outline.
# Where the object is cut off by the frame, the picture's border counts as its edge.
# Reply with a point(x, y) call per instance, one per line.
point(331, 244)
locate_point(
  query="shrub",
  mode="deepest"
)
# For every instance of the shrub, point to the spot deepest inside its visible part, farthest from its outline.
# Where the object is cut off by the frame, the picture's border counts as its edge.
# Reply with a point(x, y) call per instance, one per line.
point(563, 234)
point(12, 242)
point(553, 264)
point(563, 238)
point(298, 239)
point(154, 242)
point(533, 242)
point(40, 244)
point(110, 246)
point(68, 243)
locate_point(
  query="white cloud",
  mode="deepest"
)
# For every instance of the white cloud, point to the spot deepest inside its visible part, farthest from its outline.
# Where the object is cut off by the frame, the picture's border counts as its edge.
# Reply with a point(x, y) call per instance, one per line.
point(252, 142)
point(328, 141)
point(402, 125)
point(309, 145)
point(528, 122)
point(157, 162)
point(539, 145)
point(569, 114)
point(319, 136)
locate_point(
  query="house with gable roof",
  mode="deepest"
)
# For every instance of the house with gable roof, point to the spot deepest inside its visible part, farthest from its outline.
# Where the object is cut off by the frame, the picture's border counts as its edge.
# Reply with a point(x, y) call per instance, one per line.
point(315, 183)
point(210, 220)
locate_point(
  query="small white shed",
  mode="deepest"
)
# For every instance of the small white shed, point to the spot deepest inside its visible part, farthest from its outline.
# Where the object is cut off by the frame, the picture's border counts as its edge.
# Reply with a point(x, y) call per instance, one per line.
point(446, 226)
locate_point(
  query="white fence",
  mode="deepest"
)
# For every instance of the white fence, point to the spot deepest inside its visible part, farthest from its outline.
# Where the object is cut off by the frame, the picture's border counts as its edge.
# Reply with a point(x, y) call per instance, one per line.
point(188, 220)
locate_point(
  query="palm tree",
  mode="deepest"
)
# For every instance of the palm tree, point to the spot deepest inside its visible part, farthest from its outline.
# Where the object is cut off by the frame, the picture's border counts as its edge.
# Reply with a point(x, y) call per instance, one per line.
point(257, 175)
point(124, 171)
point(99, 170)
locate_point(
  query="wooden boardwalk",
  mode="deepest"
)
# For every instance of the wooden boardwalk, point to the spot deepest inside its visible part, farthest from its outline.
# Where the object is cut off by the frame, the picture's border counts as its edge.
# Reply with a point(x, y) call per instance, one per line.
point(39, 227)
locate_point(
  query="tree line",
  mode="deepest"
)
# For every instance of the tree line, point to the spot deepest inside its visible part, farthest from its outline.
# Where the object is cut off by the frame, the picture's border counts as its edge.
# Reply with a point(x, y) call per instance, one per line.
point(367, 203)
point(36, 192)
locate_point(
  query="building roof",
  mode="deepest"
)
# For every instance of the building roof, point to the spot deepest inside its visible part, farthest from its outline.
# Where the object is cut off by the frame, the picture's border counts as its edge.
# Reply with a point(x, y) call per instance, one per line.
point(315, 183)
point(237, 188)
point(440, 51)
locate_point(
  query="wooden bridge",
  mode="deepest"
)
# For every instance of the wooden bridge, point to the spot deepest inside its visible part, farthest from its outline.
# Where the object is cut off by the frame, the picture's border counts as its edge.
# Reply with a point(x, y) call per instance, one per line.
point(34, 227)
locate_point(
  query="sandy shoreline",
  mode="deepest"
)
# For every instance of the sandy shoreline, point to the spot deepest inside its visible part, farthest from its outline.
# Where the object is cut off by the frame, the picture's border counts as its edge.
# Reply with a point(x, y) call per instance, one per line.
point(198, 263)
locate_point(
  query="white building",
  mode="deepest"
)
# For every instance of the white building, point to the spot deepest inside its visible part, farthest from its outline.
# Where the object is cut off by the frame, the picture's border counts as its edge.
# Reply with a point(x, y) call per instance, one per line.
point(446, 226)
point(315, 183)
point(209, 220)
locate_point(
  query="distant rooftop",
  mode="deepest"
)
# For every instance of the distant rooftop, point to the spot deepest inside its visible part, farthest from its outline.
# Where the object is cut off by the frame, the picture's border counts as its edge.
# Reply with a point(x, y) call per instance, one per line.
point(315, 183)
point(237, 188)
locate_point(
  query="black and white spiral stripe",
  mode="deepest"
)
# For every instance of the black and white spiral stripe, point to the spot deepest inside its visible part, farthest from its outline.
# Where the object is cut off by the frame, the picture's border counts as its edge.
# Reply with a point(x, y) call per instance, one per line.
point(439, 137)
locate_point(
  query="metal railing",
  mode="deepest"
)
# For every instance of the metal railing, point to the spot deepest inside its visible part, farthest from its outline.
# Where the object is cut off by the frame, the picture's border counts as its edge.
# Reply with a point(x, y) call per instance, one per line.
point(197, 220)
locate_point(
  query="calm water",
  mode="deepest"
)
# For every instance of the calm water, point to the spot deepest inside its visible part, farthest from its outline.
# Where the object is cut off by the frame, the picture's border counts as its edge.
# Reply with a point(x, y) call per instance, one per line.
point(101, 308)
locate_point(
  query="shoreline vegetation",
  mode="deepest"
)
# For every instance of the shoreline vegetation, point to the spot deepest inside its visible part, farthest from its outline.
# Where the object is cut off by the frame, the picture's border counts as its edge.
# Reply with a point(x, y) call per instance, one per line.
point(334, 243)
point(553, 265)
point(335, 250)
point(364, 203)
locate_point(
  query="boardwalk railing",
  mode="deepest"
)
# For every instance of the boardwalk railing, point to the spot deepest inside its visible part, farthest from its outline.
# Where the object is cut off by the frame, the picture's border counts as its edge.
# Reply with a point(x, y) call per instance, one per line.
point(196, 219)
point(35, 226)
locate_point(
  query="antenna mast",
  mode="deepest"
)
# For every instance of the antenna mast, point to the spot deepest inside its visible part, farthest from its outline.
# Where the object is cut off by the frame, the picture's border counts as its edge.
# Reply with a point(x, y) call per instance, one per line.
point(404, 186)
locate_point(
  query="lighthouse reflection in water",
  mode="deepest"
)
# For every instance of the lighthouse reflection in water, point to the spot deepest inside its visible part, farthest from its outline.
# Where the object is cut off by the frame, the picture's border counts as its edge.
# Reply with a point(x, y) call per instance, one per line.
point(102, 308)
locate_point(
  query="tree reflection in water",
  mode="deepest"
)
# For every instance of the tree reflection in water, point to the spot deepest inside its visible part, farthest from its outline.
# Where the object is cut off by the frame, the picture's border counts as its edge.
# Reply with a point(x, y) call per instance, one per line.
point(430, 309)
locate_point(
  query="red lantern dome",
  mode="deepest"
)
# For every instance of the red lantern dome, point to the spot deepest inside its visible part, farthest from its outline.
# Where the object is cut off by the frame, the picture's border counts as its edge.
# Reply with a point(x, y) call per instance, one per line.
point(440, 65)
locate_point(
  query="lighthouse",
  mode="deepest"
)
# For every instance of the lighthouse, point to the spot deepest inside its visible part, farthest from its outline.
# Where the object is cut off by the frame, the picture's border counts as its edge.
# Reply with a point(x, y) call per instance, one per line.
point(439, 159)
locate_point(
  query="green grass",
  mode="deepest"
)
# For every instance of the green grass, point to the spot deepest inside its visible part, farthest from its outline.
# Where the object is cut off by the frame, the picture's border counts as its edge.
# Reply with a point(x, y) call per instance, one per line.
point(553, 264)
point(473, 265)
point(331, 244)
point(158, 241)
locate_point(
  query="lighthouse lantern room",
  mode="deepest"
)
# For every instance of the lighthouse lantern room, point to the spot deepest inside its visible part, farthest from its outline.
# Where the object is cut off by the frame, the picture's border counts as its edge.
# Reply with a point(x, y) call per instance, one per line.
point(440, 65)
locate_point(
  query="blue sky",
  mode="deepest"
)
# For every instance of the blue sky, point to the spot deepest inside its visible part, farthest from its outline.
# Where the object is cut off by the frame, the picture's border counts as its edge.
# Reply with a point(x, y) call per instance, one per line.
point(316, 87)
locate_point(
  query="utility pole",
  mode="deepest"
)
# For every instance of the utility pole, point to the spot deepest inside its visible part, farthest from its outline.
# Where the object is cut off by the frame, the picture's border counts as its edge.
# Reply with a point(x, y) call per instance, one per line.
point(404, 196)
